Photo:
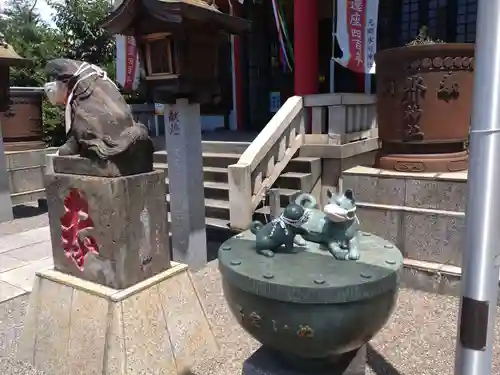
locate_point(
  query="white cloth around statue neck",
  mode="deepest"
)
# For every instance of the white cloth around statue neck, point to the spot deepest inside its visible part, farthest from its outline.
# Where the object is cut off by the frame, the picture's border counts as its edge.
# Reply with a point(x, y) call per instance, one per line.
point(95, 70)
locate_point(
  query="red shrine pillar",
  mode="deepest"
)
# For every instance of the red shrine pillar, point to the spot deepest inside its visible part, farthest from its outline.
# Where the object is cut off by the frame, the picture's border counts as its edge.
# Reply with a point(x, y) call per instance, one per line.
point(305, 46)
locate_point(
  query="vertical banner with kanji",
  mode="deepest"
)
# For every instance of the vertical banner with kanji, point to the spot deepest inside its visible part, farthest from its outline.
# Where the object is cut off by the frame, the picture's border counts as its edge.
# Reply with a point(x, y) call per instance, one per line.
point(127, 62)
point(357, 34)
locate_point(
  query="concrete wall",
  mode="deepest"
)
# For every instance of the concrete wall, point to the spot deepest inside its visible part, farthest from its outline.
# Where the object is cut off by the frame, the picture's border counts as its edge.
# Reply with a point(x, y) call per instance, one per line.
point(25, 170)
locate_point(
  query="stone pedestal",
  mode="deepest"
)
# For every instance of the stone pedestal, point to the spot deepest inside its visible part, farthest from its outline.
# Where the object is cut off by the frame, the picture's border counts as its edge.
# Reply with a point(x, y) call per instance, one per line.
point(108, 230)
point(77, 327)
point(5, 200)
point(185, 174)
point(265, 362)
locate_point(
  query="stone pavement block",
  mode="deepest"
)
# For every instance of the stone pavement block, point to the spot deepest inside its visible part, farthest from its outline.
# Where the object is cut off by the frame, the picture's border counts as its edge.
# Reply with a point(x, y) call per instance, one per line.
point(24, 276)
point(381, 222)
point(86, 346)
point(52, 330)
point(12, 314)
point(434, 238)
point(439, 195)
point(376, 189)
point(17, 240)
point(149, 328)
point(8, 263)
point(31, 253)
point(8, 291)
point(146, 339)
point(191, 337)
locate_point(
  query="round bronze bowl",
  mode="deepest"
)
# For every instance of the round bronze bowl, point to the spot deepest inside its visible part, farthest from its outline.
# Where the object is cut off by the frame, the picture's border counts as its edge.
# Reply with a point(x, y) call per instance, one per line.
point(308, 305)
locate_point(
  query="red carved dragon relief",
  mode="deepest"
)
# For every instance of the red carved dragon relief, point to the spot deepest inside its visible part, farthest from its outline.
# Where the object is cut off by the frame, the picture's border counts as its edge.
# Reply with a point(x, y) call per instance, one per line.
point(75, 225)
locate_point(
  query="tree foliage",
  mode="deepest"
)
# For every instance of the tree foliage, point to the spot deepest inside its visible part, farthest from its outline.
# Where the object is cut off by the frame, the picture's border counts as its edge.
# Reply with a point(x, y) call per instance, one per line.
point(74, 34)
point(78, 21)
point(31, 37)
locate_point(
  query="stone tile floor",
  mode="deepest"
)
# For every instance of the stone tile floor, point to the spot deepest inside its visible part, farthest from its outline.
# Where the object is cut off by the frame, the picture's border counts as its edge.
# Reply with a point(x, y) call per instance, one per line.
point(21, 255)
point(418, 339)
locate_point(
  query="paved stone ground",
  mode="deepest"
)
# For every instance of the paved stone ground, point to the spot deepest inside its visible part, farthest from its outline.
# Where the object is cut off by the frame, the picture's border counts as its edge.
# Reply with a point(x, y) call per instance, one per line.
point(419, 338)
point(26, 217)
point(24, 248)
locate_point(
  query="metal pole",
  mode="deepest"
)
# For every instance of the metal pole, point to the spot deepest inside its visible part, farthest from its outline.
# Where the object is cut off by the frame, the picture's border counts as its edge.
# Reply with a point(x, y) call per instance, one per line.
point(482, 253)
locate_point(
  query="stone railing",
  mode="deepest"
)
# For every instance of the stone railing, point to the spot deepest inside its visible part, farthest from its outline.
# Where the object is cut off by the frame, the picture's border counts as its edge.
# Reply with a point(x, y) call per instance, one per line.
point(337, 119)
point(264, 160)
point(342, 118)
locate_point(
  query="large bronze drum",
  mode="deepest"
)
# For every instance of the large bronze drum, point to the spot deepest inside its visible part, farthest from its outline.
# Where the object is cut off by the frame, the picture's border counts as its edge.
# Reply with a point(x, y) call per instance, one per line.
point(22, 119)
point(424, 101)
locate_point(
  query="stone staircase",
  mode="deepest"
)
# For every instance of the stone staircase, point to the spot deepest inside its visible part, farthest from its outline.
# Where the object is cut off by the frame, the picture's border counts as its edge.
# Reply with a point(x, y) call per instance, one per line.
point(301, 174)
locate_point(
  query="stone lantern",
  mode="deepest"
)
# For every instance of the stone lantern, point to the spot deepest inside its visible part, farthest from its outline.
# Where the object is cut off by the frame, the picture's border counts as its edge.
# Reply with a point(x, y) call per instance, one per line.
point(8, 58)
point(178, 44)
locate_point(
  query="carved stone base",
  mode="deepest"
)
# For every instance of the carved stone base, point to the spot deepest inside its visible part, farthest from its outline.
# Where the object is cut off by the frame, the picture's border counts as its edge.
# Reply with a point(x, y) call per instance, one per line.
point(450, 162)
point(111, 231)
point(266, 362)
point(77, 327)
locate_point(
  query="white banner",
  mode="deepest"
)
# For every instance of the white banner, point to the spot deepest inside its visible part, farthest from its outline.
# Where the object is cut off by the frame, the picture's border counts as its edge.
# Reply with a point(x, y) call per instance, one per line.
point(127, 62)
point(357, 34)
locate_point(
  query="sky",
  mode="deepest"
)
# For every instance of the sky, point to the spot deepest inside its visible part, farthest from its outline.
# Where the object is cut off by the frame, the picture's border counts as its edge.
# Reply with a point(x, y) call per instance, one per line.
point(43, 8)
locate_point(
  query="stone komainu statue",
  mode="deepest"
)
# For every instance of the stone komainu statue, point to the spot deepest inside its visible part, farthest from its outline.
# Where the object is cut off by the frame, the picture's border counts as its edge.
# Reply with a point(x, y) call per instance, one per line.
point(99, 123)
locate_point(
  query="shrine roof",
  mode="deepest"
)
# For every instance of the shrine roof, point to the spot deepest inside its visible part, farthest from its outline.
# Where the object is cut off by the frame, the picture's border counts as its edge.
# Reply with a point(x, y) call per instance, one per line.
point(198, 3)
point(10, 57)
point(172, 11)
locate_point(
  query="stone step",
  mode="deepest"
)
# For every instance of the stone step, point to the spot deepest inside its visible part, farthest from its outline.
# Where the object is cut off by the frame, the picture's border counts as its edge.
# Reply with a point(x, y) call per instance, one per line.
point(213, 190)
point(216, 190)
point(211, 146)
point(421, 234)
point(287, 196)
point(27, 196)
point(304, 165)
point(297, 165)
point(295, 180)
point(215, 174)
point(431, 277)
point(210, 159)
point(217, 230)
point(214, 208)
point(221, 160)
point(225, 147)
point(439, 191)
point(219, 209)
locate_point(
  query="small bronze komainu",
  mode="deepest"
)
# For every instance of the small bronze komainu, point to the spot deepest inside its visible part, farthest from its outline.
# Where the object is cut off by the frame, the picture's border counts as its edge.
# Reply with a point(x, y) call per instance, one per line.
point(280, 231)
point(336, 227)
point(99, 123)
